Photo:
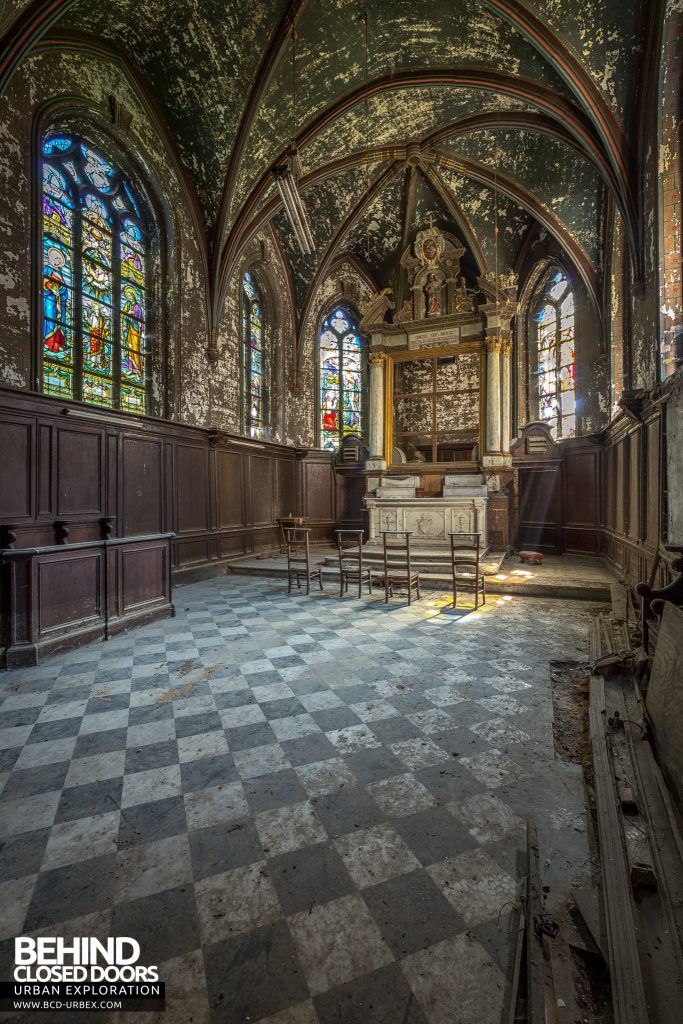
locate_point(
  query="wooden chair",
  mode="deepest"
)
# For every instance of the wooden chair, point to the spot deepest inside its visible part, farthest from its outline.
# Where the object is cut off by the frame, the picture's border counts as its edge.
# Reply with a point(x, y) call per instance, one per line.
point(351, 568)
point(465, 567)
point(398, 575)
point(288, 521)
point(299, 559)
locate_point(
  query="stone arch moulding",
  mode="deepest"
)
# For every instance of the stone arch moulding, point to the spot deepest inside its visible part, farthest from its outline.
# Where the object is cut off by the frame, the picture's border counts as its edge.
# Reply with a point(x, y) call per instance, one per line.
point(82, 118)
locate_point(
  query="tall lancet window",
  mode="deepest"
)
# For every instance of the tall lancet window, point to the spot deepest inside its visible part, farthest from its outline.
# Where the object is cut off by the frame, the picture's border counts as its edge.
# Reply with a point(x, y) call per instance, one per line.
point(253, 369)
point(341, 378)
point(94, 279)
point(552, 375)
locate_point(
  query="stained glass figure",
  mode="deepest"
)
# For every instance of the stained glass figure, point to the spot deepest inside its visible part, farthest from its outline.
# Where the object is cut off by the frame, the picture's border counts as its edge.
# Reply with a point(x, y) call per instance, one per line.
point(94, 279)
point(341, 378)
point(553, 364)
point(253, 362)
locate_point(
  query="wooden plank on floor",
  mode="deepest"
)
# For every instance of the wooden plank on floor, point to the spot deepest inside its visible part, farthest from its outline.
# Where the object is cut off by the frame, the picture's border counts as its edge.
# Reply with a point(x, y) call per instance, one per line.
point(619, 595)
point(628, 994)
point(537, 979)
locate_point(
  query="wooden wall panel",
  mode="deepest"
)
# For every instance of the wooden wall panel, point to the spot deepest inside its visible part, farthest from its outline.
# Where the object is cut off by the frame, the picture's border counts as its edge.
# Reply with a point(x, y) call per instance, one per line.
point(141, 486)
point(16, 462)
point(143, 572)
point(652, 503)
point(262, 490)
point(580, 478)
point(230, 489)
point(539, 524)
point(318, 496)
point(45, 474)
point(80, 472)
point(192, 488)
point(219, 494)
point(286, 487)
point(69, 590)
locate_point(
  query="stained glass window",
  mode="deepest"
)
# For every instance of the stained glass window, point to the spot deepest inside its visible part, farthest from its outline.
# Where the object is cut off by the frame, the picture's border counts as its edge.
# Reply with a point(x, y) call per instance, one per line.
point(94, 279)
point(341, 378)
point(552, 366)
point(253, 367)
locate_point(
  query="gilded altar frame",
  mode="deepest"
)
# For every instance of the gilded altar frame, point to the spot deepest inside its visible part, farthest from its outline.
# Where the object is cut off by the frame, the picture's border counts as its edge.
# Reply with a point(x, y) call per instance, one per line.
point(430, 353)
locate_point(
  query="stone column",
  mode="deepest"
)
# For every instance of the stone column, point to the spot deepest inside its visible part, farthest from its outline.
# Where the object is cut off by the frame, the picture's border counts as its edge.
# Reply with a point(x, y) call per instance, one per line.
point(376, 438)
point(506, 395)
point(493, 404)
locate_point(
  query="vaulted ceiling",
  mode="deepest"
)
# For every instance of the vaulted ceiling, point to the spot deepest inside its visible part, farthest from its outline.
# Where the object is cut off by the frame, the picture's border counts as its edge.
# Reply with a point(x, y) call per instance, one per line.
point(523, 113)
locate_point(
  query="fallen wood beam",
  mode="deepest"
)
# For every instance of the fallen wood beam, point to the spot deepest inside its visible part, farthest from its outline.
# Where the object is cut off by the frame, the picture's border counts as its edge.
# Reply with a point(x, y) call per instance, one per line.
point(537, 980)
point(628, 994)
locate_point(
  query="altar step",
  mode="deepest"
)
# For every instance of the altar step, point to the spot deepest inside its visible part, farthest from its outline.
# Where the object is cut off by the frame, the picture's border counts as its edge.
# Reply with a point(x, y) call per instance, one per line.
point(430, 562)
point(564, 577)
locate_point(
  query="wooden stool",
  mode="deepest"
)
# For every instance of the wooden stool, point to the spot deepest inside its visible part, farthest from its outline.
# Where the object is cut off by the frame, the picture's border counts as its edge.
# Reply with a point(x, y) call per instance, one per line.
point(532, 557)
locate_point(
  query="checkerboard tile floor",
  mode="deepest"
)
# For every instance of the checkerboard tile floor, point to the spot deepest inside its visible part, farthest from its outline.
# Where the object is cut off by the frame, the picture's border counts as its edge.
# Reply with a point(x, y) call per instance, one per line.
point(305, 809)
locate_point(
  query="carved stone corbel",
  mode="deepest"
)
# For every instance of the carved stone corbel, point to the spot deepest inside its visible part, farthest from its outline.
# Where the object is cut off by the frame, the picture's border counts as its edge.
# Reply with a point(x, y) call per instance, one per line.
point(212, 352)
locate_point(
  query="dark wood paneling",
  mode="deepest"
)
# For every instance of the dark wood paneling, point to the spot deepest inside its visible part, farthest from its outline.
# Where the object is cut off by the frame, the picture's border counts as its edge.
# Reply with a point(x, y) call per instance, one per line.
point(143, 573)
point(69, 589)
point(45, 475)
point(59, 596)
point(538, 524)
point(80, 472)
point(351, 486)
point(15, 459)
point(318, 495)
point(580, 479)
point(230, 489)
point(286, 487)
point(141, 486)
point(262, 490)
point(192, 485)
point(220, 494)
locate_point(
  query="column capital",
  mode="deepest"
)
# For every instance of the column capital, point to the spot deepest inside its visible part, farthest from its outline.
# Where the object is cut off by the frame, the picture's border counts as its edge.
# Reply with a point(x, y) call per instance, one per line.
point(493, 343)
point(506, 346)
point(377, 358)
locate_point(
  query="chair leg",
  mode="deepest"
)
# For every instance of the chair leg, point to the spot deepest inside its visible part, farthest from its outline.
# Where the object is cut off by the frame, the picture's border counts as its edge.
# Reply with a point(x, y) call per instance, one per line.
point(483, 590)
point(386, 592)
point(341, 584)
point(418, 588)
point(369, 583)
point(320, 580)
point(289, 583)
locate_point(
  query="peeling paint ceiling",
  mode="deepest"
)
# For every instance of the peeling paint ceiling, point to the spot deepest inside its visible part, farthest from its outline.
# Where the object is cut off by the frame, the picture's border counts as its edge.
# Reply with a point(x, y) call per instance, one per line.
point(234, 88)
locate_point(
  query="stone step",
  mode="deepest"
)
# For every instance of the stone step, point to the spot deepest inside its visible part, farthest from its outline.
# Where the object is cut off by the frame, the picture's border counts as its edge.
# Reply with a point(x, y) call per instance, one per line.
point(434, 561)
point(578, 590)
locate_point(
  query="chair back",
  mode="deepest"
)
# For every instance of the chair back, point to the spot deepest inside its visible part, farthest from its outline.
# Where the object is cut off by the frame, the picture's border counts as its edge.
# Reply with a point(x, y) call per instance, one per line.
point(350, 549)
point(296, 539)
point(470, 557)
point(396, 542)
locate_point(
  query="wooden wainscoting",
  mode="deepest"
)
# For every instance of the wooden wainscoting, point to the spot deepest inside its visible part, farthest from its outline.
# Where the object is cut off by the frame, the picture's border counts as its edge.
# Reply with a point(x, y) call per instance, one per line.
point(62, 595)
point(74, 474)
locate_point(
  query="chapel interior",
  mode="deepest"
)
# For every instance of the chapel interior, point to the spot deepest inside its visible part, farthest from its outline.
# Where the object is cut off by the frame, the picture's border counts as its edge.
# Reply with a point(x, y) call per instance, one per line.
point(341, 505)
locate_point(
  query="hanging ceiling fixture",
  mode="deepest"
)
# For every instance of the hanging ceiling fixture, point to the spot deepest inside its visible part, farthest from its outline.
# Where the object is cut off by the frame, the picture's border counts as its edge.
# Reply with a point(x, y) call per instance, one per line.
point(287, 174)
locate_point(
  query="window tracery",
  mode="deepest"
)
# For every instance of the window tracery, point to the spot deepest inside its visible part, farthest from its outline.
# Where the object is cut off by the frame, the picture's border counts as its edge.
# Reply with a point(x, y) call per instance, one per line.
point(94, 279)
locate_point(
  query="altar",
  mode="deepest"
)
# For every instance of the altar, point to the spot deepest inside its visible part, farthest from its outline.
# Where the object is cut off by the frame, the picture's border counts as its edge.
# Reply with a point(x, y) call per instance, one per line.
point(440, 398)
point(430, 520)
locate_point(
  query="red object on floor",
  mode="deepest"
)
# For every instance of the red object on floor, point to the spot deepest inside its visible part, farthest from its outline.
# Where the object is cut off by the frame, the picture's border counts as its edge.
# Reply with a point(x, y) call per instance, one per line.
point(532, 557)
